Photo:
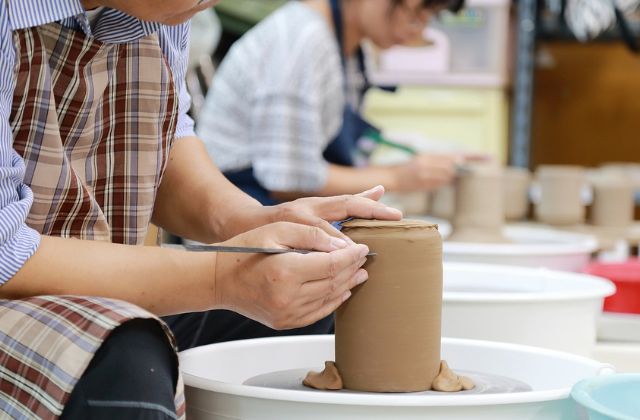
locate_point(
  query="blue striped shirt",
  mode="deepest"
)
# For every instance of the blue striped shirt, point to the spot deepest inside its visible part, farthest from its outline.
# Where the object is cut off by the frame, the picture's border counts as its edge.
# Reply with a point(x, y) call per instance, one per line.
point(18, 242)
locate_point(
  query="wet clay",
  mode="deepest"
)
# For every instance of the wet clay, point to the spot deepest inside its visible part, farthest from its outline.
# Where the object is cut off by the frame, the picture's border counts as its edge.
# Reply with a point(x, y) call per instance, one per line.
point(479, 205)
point(387, 335)
point(516, 193)
point(613, 201)
point(448, 381)
point(560, 202)
point(328, 379)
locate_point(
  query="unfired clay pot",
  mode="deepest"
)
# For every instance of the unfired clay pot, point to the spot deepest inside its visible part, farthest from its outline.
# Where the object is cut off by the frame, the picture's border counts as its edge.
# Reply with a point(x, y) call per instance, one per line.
point(442, 202)
point(479, 205)
point(613, 201)
point(388, 332)
point(560, 201)
point(516, 192)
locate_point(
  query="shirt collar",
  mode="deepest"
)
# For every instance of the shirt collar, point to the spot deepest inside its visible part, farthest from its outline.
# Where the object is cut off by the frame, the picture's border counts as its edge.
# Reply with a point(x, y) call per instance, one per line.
point(117, 27)
point(113, 26)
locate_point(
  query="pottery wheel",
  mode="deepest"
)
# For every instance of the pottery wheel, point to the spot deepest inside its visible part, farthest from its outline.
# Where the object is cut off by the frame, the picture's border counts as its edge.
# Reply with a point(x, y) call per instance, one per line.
point(291, 379)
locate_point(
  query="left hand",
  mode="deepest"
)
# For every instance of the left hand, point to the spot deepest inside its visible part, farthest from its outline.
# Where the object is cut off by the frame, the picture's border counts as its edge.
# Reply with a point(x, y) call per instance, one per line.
point(315, 211)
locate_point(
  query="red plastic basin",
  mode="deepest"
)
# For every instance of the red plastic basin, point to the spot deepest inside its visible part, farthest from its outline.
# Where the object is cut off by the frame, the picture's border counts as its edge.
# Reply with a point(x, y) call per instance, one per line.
point(626, 276)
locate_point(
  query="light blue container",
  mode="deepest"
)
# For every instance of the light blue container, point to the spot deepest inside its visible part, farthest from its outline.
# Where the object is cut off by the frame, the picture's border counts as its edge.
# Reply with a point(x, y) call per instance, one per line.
point(609, 397)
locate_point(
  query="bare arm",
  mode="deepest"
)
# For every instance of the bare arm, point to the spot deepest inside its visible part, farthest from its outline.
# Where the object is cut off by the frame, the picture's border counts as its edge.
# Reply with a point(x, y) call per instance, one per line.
point(282, 291)
point(348, 180)
point(195, 200)
point(162, 281)
point(422, 173)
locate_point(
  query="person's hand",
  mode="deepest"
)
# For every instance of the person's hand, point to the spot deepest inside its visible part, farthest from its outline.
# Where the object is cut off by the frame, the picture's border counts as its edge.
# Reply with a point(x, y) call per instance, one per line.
point(289, 290)
point(428, 171)
point(316, 211)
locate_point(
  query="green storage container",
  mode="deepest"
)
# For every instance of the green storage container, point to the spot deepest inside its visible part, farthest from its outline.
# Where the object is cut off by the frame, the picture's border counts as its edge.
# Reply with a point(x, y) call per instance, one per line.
point(238, 16)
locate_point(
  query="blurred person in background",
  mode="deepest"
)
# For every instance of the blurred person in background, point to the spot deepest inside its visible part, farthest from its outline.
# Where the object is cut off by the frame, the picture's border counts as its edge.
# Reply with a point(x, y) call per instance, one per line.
point(282, 119)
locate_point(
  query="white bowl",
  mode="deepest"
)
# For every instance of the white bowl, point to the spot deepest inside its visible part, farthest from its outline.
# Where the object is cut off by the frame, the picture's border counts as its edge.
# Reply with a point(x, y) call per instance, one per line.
point(215, 374)
point(533, 306)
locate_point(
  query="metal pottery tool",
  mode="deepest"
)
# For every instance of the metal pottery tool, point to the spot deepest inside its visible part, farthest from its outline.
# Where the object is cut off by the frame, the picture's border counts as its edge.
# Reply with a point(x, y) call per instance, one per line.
point(251, 250)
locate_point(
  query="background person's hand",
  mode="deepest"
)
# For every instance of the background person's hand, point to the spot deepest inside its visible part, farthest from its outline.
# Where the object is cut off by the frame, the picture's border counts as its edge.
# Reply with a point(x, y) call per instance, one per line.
point(428, 171)
point(316, 211)
point(289, 290)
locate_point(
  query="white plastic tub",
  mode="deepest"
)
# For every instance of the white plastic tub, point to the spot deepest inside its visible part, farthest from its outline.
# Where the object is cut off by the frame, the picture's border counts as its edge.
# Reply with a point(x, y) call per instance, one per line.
point(625, 356)
point(538, 307)
point(530, 247)
point(215, 374)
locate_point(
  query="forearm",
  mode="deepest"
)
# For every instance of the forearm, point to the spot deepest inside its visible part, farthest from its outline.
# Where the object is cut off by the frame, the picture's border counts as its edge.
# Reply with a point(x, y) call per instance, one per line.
point(163, 281)
point(195, 200)
point(348, 180)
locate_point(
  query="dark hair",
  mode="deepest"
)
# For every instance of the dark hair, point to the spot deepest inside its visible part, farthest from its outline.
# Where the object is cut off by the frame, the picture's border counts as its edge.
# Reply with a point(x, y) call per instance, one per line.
point(450, 5)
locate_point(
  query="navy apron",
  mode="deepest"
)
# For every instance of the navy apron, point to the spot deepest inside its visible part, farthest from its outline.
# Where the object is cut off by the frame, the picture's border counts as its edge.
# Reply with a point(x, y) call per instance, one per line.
point(341, 150)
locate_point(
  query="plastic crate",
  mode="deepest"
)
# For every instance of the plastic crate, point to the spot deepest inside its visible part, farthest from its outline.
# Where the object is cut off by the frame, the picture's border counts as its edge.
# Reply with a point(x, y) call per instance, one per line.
point(466, 49)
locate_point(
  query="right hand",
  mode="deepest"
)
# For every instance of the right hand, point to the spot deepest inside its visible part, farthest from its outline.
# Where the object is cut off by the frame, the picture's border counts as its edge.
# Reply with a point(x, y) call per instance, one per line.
point(291, 290)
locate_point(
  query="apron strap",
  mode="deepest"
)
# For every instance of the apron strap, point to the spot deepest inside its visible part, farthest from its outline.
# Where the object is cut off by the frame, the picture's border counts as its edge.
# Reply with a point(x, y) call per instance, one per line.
point(338, 22)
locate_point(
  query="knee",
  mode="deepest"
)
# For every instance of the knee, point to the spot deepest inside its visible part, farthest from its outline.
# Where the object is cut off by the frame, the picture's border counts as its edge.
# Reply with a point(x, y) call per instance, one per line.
point(136, 361)
point(133, 375)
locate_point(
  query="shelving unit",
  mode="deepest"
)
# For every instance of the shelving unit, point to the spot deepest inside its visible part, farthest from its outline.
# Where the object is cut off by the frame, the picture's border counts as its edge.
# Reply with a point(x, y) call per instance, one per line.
point(530, 27)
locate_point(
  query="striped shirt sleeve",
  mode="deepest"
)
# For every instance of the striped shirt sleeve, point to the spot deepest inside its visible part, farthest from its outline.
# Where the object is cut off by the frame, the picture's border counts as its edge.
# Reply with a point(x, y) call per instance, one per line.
point(176, 45)
point(17, 241)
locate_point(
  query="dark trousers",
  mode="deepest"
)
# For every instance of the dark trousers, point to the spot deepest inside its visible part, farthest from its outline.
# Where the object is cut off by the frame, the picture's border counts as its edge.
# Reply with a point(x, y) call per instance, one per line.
point(199, 329)
point(134, 373)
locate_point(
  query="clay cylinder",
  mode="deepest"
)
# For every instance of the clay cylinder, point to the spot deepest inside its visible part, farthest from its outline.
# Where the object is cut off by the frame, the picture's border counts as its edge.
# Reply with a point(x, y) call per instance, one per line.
point(560, 188)
point(613, 202)
point(516, 193)
point(442, 202)
point(388, 332)
point(479, 205)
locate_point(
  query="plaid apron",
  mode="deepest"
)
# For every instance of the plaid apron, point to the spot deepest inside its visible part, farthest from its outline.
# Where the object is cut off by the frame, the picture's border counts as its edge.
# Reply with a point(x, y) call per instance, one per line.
point(94, 123)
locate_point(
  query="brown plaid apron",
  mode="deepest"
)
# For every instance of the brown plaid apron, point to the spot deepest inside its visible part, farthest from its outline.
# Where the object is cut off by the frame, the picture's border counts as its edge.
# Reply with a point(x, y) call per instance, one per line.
point(94, 123)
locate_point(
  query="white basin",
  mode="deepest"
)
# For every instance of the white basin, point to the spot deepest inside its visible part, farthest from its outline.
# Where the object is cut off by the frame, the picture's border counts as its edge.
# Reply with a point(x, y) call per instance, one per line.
point(215, 374)
point(625, 356)
point(530, 246)
point(533, 306)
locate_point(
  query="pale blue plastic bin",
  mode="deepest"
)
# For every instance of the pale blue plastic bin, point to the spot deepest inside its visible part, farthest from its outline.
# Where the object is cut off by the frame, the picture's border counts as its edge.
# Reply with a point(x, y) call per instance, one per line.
point(609, 397)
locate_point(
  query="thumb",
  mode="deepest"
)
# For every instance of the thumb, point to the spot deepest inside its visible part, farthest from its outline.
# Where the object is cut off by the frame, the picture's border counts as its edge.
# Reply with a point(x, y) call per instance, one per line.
point(298, 236)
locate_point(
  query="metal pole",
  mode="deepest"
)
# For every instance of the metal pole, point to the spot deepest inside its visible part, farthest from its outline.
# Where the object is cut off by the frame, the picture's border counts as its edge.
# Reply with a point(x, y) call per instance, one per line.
point(525, 61)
